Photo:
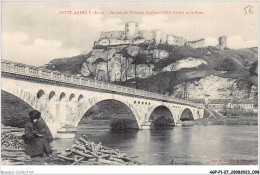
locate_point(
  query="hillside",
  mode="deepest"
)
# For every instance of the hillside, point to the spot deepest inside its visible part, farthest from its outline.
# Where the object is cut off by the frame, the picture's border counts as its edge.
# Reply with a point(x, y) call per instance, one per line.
point(70, 65)
point(168, 69)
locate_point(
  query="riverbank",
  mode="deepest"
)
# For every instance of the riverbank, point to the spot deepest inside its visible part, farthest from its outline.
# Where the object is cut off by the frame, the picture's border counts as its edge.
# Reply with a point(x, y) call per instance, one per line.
point(190, 143)
point(223, 121)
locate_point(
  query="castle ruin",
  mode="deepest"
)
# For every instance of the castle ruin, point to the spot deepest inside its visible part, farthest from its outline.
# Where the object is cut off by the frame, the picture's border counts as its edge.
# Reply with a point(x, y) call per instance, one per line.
point(175, 40)
point(128, 36)
point(197, 43)
point(222, 42)
point(132, 35)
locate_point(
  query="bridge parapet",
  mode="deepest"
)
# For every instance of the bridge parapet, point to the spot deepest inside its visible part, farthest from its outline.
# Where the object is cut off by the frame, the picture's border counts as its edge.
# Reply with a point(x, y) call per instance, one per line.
point(32, 71)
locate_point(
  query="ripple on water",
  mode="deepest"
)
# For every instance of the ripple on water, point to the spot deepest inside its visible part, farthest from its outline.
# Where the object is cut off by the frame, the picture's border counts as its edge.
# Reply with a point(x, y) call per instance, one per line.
point(198, 145)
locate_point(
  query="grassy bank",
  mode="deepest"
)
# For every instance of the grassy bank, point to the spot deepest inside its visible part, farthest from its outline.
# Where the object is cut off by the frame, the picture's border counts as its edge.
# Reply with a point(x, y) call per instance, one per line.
point(223, 121)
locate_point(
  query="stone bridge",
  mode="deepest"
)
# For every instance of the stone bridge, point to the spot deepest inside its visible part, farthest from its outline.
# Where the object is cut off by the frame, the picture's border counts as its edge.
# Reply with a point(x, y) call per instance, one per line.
point(64, 99)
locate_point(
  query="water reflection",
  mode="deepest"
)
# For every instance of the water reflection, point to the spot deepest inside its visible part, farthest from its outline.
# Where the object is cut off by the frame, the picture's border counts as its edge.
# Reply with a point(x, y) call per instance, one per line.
point(195, 145)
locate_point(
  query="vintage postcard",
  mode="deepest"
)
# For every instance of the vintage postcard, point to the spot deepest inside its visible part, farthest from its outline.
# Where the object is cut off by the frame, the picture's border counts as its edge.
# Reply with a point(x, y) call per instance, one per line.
point(129, 87)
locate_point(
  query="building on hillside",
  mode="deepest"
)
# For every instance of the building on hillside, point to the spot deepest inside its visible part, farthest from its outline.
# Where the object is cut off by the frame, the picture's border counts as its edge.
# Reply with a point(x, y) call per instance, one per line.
point(234, 105)
point(198, 100)
point(245, 105)
point(217, 105)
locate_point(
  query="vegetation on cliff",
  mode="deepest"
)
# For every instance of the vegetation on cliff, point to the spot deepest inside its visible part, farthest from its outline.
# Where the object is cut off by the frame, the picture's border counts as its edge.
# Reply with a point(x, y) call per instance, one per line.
point(134, 60)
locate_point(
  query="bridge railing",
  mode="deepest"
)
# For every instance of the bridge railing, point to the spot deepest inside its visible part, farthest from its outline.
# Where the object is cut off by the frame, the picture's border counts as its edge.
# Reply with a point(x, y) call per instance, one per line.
point(12, 67)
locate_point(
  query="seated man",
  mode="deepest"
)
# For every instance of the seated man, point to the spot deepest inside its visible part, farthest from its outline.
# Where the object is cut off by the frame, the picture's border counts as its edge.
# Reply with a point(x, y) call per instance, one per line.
point(36, 137)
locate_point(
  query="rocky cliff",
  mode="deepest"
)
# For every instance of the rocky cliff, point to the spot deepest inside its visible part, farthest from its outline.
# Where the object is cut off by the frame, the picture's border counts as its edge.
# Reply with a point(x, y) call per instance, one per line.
point(174, 70)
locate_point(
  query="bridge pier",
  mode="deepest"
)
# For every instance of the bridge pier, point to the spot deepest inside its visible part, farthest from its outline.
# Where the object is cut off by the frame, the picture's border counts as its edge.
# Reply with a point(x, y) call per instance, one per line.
point(66, 132)
point(145, 125)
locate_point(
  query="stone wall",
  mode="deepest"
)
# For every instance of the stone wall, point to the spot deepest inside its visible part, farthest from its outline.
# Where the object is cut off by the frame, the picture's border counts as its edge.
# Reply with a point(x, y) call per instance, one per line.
point(196, 44)
point(175, 40)
point(120, 35)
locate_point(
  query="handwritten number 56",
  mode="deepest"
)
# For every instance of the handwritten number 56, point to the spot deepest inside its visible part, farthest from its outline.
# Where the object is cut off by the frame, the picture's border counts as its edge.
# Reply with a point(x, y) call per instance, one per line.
point(248, 9)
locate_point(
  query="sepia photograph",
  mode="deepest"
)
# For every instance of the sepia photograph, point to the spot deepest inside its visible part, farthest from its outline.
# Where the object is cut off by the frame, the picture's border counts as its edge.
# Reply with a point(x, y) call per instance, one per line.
point(129, 85)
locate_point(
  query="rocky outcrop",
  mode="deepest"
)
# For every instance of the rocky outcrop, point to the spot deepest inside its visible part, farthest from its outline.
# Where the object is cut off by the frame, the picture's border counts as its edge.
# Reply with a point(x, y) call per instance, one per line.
point(185, 63)
point(214, 87)
point(205, 72)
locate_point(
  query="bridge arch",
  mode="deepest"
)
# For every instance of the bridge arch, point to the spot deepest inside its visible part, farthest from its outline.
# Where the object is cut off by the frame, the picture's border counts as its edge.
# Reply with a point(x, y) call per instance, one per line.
point(187, 115)
point(161, 116)
point(22, 103)
point(119, 113)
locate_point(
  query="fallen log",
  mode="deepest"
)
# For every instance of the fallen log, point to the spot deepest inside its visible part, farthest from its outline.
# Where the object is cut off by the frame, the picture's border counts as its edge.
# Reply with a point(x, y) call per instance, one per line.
point(66, 158)
point(104, 156)
point(14, 150)
point(77, 161)
point(100, 153)
point(81, 154)
point(16, 163)
point(109, 162)
point(85, 151)
point(23, 159)
point(119, 156)
point(85, 137)
point(106, 148)
point(130, 160)
point(109, 151)
point(94, 154)
point(133, 157)
point(92, 159)
point(68, 153)
point(92, 146)
point(90, 163)
point(13, 155)
point(76, 142)
point(97, 147)
point(88, 147)
point(79, 147)
point(116, 160)
point(12, 130)
point(83, 140)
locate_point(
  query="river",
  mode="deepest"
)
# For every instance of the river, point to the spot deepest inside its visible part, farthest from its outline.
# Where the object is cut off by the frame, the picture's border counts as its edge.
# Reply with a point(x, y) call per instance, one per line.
point(194, 145)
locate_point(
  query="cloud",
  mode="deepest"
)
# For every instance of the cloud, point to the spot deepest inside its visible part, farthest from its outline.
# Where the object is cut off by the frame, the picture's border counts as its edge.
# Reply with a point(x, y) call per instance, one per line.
point(211, 41)
point(41, 25)
point(45, 22)
point(238, 42)
point(39, 53)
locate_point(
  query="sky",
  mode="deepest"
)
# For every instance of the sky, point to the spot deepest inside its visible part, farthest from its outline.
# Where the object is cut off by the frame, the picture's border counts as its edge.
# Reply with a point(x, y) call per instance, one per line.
point(35, 33)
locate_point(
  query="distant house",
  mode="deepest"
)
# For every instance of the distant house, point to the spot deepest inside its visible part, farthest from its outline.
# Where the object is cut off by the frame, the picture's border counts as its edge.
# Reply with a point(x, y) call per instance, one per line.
point(245, 105)
point(197, 100)
point(235, 105)
point(217, 105)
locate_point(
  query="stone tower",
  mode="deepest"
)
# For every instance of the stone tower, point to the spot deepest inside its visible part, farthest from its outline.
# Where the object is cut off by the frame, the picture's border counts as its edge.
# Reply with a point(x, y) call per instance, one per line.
point(131, 29)
point(222, 40)
point(157, 36)
point(170, 39)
